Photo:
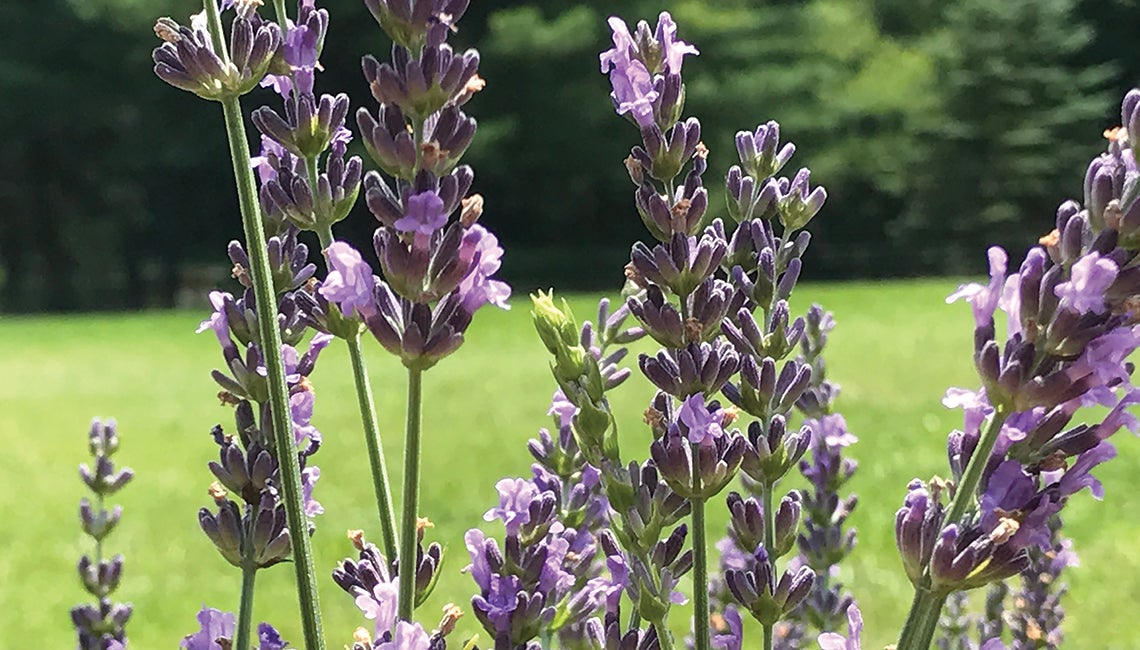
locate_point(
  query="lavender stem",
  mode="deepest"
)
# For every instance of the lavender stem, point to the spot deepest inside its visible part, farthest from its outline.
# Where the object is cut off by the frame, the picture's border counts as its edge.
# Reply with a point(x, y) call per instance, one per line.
point(407, 557)
point(922, 620)
point(270, 338)
point(245, 608)
point(379, 466)
point(700, 574)
point(769, 544)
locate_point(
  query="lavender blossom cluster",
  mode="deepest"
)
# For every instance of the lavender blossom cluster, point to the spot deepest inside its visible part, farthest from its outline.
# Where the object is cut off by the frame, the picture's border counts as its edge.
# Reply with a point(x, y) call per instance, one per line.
point(742, 391)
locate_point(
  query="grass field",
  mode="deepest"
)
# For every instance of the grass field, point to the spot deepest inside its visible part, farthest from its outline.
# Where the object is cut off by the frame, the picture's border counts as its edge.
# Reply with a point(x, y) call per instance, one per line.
point(896, 349)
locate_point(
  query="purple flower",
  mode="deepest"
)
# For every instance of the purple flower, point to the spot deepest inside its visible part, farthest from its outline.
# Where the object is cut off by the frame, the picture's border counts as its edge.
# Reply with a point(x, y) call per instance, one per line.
point(380, 605)
point(477, 288)
point(408, 636)
point(672, 50)
point(833, 641)
point(984, 298)
point(499, 601)
point(1090, 278)
point(350, 283)
point(515, 496)
point(633, 90)
point(480, 568)
point(217, 320)
point(309, 477)
point(734, 638)
point(423, 214)
point(621, 53)
point(563, 408)
point(703, 426)
point(215, 624)
point(270, 149)
point(1009, 488)
point(269, 639)
point(831, 430)
point(1077, 477)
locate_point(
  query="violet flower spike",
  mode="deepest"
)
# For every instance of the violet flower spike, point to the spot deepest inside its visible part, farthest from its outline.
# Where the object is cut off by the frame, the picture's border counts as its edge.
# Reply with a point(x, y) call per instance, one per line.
point(833, 641)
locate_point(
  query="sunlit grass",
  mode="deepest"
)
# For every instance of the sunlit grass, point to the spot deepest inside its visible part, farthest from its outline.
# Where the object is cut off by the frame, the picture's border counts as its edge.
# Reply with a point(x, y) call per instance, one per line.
point(896, 349)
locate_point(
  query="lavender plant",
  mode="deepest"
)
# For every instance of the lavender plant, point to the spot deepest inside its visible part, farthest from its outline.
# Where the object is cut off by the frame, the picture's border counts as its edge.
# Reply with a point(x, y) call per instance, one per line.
point(101, 626)
point(592, 528)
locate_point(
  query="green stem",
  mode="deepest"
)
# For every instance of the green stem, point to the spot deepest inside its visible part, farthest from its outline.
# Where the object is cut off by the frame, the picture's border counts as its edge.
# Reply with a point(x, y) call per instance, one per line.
point(769, 544)
point(270, 339)
point(922, 620)
point(700, 577)
point(379, 467)
point(407, 557)
point(282, 16)
point(245, 609)
point(663, 635)
point(380, 482)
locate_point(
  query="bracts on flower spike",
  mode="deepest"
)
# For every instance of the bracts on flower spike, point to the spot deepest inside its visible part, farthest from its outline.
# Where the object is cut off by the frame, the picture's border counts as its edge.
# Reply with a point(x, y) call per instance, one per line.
point(101, 626)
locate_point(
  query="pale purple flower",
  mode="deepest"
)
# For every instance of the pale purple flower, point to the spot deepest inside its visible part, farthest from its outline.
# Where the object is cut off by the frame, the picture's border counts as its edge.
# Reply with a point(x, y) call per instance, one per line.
point(218, 321)
point(832, 431)
point(833, 641)
point(703, 426)
point(215, 624)
point(515, 496)
point(621, 53)
point(974, 404)
point(269, 147)
point(672, 50)
point(1010, 302)
point(408, 636)
point(633, 92)
point(477, 288)
point(563, 408)
point(984, 298)
point(552, 579)
point(1104, 358)
point(309, 477)
point(1120, 416)
point(380, 605)
point(1077, 477)
point(301, 411)
point(1090, 277)
point(423, 214)
point(479, 568)
point(350, 282)
point(734, 638)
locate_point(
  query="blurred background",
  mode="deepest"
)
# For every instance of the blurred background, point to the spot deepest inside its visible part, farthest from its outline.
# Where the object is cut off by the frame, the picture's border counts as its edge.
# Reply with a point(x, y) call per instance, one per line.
point(937, 126)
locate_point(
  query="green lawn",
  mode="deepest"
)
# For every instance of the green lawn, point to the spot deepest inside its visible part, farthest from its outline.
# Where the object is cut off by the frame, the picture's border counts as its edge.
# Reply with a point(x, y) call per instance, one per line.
point(896, 349)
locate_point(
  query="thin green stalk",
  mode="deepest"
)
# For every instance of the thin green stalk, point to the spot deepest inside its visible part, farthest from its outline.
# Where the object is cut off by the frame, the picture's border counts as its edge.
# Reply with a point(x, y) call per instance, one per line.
point(407, 557)
point(663, 635)
point(380, 482)
point(769, 544)
point(377, 463)
point(245, 608)
point(270, 339)
point(700, 576)
point(922, 620)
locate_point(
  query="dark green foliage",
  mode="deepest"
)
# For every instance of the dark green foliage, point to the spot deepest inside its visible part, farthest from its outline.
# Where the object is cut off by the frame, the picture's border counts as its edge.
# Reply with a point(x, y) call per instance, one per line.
point(937, 127)
point(1017, 126)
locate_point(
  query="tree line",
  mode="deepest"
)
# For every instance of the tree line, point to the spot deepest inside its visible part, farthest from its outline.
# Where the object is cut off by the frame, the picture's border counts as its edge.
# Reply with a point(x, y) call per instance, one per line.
point(937, 126)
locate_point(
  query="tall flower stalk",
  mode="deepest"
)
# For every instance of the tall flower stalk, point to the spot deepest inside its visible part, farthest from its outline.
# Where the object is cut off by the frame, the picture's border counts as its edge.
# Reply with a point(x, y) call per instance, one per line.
point(294, 189)
point(197, 59)
point(1070, 330)
point(101, 626)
